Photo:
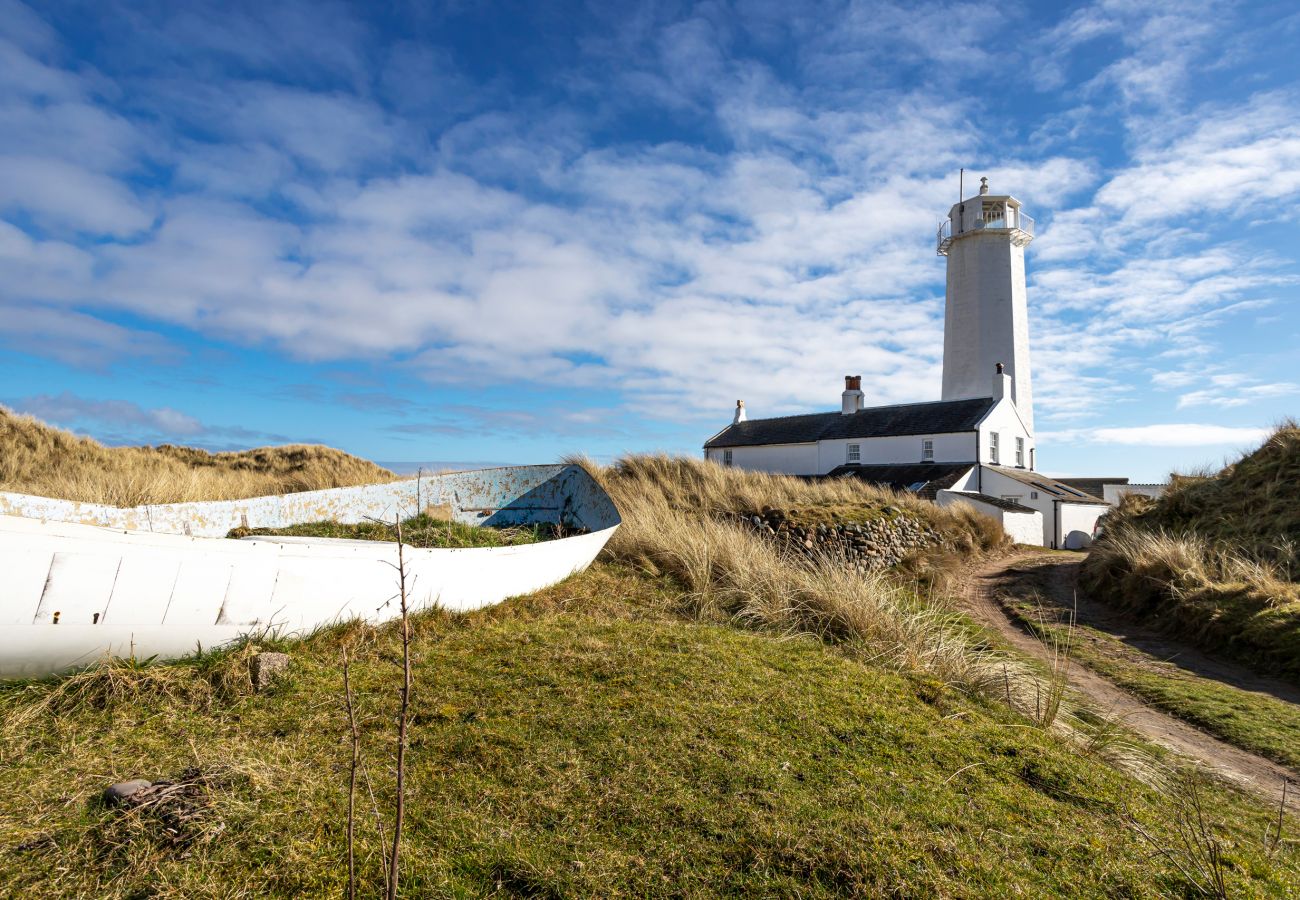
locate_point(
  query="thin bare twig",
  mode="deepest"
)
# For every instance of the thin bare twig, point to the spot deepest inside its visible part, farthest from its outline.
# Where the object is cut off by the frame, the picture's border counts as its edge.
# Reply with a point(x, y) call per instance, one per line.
point(402, 718)
point(352, 775)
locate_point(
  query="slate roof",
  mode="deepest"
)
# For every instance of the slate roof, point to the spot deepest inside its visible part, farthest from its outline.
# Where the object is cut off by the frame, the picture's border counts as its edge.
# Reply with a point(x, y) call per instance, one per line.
point(1000, 503)
point(941, 417)
point(1056, 490)
point(1094, 486)
point(927, 478)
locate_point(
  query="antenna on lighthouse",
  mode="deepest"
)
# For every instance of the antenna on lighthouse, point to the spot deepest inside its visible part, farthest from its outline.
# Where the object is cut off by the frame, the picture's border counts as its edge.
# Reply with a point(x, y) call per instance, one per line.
point(961, 200)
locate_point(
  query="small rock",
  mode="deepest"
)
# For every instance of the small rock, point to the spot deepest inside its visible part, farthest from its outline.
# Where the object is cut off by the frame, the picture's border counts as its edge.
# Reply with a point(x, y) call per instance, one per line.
point(116, 794)
point(266, 668)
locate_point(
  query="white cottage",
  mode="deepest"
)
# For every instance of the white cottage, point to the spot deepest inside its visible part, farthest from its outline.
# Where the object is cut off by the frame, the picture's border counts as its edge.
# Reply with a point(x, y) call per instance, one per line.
point(976, 445)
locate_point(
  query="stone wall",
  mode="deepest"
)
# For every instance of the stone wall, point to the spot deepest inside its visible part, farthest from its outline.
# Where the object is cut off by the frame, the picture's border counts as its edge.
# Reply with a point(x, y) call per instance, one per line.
point(874, 544)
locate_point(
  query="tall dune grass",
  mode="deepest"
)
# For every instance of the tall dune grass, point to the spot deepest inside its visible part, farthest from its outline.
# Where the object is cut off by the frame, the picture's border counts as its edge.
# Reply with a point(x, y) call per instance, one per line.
point(36, 458)
point(1221, 597)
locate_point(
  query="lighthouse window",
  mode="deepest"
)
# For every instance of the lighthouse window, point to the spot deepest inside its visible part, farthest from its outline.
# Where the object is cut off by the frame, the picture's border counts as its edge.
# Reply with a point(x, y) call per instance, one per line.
point(993, 447)
point(854, 453)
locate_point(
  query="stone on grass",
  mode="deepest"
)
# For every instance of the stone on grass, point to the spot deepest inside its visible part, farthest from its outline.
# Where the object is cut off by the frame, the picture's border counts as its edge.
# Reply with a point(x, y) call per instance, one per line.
point(116, 794)
point(267, 668)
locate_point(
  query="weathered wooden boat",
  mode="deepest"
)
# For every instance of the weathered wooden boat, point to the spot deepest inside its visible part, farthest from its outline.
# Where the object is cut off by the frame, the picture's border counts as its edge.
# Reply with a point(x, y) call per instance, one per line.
point(80, 582)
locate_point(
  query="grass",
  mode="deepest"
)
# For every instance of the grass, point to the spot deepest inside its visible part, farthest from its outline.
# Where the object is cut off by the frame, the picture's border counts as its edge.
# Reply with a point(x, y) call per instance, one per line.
point(1217, 557)
point(594, 739)
point(699, 714)
point(36, 458)
point(1247, 719)
point(421, 530)
point(1210, 593)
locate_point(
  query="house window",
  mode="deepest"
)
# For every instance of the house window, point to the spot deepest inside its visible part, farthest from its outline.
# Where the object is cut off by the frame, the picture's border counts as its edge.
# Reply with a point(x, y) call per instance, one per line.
point(993, 447)
point(726, 457)
point(1033, 495)
point(1020, 452)
point(927, 450)
point(854, 453)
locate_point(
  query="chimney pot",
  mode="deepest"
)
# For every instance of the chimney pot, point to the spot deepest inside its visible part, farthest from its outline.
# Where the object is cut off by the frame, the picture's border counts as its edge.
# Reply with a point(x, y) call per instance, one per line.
point(740, 413)
point(1000, 368)
point(984, 185)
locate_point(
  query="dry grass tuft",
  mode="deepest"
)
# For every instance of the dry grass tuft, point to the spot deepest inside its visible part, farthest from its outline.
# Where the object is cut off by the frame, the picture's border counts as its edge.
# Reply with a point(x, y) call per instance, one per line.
point(1217, 557)
point(36, 458)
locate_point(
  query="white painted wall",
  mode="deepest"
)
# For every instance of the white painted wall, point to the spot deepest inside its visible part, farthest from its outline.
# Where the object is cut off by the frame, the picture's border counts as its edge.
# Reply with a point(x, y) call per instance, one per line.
point(1023, 527)
point(1004, 418)
point(957, 447)
point(1116, 492)
point(996, 484)
point(986, 318)
point(1077, 522)
point(787, 459)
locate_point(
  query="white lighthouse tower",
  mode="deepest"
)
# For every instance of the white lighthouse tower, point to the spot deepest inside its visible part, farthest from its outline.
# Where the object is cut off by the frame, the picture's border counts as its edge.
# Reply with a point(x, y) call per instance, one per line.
point(985, 312)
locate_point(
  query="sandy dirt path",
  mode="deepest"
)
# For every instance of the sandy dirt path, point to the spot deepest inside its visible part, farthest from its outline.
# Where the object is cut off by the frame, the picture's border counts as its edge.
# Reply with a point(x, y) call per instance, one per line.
point(1006, 577)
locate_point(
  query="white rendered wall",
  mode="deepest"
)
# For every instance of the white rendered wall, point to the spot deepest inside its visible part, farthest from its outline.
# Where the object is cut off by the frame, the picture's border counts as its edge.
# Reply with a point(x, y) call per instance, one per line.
point(995, 484)
point(986, 318)
point(1004, 418)
point(1077, 522)
point(1023, 527)
point(787, 459)
point(956, 447)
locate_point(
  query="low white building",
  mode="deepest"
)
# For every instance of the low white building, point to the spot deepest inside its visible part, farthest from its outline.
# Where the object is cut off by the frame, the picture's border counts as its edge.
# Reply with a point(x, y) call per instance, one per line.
point(976, 444)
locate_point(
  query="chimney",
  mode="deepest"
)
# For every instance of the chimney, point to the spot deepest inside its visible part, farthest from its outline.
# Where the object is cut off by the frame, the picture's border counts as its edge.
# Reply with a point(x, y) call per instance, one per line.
point(852, 400)
point(984, 185)
point(1001, 383)
point(740, 413)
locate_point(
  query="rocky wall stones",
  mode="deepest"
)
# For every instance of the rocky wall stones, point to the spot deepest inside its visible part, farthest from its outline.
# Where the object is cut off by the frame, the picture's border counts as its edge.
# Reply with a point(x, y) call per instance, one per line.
point(874, 544)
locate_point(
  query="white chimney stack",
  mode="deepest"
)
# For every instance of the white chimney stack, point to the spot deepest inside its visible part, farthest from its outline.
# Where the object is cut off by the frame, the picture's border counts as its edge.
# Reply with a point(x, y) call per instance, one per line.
point(740, 413)
point(852, 400)
point(1001, 383)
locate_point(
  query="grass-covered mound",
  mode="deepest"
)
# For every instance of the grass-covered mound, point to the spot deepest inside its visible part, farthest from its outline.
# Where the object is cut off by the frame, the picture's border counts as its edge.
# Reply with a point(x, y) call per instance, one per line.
point(1251, 506)
point(1215, 558)
point(587, 741)
point(36, 458)
point(422, 530)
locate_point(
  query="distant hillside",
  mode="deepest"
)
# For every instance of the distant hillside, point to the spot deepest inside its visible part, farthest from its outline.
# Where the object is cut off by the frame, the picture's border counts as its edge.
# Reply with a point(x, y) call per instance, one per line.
point(36, 458)
point(1216, 558)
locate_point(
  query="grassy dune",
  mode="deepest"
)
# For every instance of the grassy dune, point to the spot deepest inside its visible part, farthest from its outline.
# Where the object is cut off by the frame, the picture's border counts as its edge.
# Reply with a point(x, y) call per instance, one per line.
point(592, 740)
point(36, 458)
point(1215, 558)
point(696, 715)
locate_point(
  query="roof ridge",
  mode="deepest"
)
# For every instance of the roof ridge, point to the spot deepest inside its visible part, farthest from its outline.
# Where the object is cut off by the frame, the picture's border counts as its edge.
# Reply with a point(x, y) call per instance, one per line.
point(832, 412)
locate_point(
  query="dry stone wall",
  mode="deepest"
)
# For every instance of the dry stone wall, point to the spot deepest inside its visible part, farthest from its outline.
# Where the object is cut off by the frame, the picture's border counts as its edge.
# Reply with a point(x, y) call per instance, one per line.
point(865, 546)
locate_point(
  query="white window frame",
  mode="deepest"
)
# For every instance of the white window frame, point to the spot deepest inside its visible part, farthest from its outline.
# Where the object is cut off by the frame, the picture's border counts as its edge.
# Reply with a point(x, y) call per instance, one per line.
point(994, 449)
point(1020, 453)
point(852, 453)
point(927, 449)
point(726, 457)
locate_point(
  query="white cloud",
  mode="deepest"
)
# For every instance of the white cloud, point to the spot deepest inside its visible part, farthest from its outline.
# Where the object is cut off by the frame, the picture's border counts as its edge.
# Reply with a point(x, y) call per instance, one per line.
point(1167, 435)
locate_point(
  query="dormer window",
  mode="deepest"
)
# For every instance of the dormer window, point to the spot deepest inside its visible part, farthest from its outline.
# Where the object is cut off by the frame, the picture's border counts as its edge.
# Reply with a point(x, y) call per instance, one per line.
point(927, 450)
point(854, 453)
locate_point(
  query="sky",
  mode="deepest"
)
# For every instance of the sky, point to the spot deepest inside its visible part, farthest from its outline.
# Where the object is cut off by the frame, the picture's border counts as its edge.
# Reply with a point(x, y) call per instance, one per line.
point(506, 232)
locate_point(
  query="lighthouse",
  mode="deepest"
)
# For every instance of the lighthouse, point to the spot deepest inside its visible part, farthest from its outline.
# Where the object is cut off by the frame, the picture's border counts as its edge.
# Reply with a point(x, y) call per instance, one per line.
point(986, 317)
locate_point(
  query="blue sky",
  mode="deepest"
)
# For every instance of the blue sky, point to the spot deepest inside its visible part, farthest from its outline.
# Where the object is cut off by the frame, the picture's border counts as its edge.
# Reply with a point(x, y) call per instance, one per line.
point(504, 232)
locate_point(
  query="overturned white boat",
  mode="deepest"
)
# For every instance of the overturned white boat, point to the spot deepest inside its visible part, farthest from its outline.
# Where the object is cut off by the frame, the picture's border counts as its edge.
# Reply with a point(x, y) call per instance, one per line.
point(82, 581)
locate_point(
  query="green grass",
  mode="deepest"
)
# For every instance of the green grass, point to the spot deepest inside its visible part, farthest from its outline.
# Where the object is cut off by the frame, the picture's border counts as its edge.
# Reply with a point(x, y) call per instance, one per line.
point(587, 741)
point(418, 531)
point(1247, 719)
